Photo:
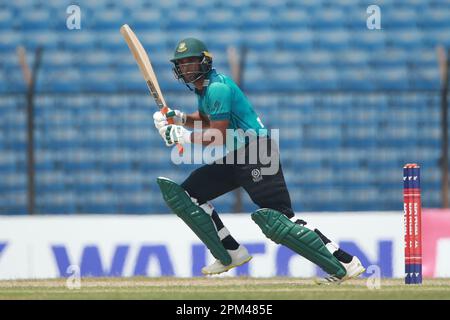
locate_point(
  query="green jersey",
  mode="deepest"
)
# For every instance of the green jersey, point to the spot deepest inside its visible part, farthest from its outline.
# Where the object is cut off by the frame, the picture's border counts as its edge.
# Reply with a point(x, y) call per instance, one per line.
point(221, 99)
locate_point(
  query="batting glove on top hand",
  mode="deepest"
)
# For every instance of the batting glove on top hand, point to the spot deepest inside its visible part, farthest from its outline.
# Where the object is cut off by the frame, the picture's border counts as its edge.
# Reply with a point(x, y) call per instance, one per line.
point(179, 118)
point(160, 120)
point(172, 134)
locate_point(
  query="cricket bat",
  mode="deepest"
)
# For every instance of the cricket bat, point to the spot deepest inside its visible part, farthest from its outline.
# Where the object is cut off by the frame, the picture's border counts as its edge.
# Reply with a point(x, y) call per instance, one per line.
point(143, 61)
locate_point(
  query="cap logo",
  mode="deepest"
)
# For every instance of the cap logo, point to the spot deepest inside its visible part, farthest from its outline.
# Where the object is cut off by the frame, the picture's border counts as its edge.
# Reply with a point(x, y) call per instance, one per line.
point(182, 47)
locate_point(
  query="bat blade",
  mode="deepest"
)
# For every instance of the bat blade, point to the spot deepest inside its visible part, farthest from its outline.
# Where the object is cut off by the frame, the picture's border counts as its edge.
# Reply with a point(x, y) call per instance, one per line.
point(143, 61)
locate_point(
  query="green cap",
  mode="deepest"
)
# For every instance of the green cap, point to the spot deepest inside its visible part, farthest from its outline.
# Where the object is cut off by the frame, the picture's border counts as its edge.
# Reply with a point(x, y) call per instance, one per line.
point(190, 47)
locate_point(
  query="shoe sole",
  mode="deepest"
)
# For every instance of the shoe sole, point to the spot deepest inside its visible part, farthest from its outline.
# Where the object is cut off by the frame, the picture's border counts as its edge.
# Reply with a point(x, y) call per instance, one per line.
point(320, 281)
point(231, 266)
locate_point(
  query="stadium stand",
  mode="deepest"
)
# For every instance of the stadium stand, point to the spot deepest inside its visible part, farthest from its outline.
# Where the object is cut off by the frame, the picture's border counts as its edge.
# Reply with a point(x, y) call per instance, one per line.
point(353, 105)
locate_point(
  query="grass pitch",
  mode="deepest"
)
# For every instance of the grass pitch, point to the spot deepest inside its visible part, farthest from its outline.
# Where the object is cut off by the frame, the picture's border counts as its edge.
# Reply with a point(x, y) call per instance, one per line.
point(216, 288)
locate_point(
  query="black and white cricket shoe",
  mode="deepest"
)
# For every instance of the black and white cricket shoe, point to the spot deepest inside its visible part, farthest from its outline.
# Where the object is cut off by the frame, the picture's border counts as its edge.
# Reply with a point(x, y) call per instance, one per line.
point(354, 269)
point(239, 257)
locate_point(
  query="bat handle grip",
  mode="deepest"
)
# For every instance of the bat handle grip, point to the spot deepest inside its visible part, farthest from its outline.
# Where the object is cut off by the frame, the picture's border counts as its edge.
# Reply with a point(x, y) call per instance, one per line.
point(164, 110)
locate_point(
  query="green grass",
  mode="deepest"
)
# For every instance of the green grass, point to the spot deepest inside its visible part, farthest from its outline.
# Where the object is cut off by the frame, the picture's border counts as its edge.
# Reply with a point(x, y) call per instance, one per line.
point(219, 288)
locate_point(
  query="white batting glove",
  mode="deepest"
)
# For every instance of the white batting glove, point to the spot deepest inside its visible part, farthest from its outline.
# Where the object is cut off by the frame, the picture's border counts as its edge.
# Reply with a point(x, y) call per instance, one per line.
point(172, 134)
point(160, 120)
point(179, 118)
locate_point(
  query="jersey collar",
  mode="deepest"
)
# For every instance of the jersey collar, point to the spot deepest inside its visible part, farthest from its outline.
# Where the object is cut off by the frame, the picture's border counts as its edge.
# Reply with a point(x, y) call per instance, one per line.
point(205, 82)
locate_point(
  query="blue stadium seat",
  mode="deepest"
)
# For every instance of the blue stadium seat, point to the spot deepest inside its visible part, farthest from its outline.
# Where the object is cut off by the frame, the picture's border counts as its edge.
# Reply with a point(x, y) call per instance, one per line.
point(270, 60)
point(175, 36)
point(110, 41)
point(47, 40)
point(62, 139)
point(389, 58)
point(322, 79)
point(102, 138)
point(100, 5)
point(79, 40)
point(137, 202)
point(13, 202)
point(391, 79)
point(116, 160)
point(7, 162)
point(108, 19)
point(136, 137)
point(434, 38)
point(427, 78)
point(356, 17)
point(132, 81)
point(103, 202)
point(411, 39)
point(201, 5)
point(292, 19)
point(6, 19)
point(52, 5)
point(218, 42)
point(220, 20)
point(146, 20)
point(285, 79)
point(153, 42)
point(236, 5)
point(99, 81)
point(327, 19)
point(297, 40)
point(94, 61)
point(434, 18)
point(44, 162)
point(79, 161)
point(10, 40)
point(423, 57)
point(399, 19)
point(333, 40)
point(256, 80)
point(60, 81)
point(254, 19)
point(57, 60)
point(3, 88)
point(13, 182)
point(261, 40)
point(316, 59)
point(373, 40)
point(309, 5)
point(184, 19)
point(35, 19)
point(352, 59)
point(126, 181)
point(271, 5)
point(167, 81)
point(356, 79)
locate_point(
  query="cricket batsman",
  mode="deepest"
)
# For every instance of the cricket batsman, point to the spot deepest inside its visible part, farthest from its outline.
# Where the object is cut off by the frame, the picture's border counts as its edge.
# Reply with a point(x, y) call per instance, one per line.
point(222, 106)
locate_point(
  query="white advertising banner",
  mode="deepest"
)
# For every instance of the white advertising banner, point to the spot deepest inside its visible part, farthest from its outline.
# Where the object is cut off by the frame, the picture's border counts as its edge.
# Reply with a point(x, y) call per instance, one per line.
point(162, 245)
